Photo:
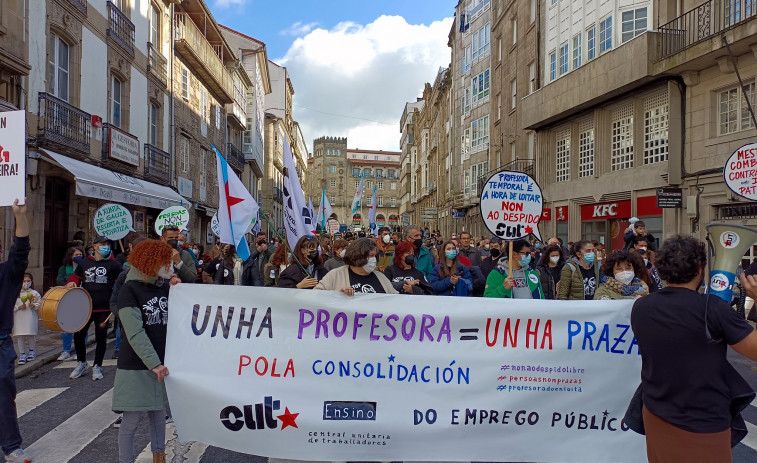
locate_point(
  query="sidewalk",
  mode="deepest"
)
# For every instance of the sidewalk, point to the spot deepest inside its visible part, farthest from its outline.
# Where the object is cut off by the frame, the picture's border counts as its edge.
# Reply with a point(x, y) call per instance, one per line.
point(49, 347)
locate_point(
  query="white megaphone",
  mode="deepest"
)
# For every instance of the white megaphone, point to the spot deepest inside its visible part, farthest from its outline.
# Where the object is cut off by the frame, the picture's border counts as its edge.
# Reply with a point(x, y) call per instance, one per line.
point(730, 243)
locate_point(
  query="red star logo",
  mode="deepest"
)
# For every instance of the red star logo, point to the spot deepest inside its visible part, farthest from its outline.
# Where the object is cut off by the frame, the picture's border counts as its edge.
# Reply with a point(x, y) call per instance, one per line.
point(231, 200)
point(529, 229)
point(287, 419)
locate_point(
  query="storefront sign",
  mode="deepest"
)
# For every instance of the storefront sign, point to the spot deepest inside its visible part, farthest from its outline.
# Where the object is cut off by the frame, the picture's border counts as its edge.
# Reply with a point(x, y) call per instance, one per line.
point(561, 214)
point(124, 146)
point(669, 198)
point(741, 171)
point(546, 214)
point(113, 221)
point(317, 375)
point(393, 219)
point(177, 216)
point(616, 210)
point(511, 205)
point(12, 157)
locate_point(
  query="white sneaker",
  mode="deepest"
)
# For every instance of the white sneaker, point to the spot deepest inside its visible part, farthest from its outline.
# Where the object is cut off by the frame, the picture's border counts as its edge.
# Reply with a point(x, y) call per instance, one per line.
point(32, 355)
point(18, 456)
point(97, 372)
point(79, 371)
point(65, 355)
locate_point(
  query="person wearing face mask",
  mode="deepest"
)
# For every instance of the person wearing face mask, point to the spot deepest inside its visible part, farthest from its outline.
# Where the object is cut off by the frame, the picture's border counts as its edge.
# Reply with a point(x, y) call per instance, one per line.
point(361, 274)
point(143, 311)
point(403, 275)
point(489, 261)
point(71, 260)
point(580, 274)
point(386, 250)
point(26, 320)
point(470, 252)
point(450, 277)
point(639, 231)
point(252, 273)
point(275, 266)
point(651, 277)
point(202, 258)
point(423, 256)
point(524, 283)
point(340, 248)
point(623, 270)
point(549, 268)
point(305, 268)
point(97, 274)
point(183, 262)
point(229, 272)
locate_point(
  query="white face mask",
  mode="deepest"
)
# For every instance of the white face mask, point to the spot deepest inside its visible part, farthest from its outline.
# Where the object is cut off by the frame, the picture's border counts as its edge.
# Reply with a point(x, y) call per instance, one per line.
point(371, 265)
point(554, 259)
point(342, 253)
point(625, 277)
point(646, 261)
point(486, 246)
point(386, 239)
point(643, 248)
point(166, 272)
point(27, 285)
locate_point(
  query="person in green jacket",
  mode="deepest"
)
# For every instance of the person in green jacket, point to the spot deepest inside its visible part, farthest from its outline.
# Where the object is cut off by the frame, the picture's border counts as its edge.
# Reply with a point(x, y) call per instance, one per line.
point(580, 276)
point(423, 260)
point(524, 283)
point(143, 311)
point(623, 270)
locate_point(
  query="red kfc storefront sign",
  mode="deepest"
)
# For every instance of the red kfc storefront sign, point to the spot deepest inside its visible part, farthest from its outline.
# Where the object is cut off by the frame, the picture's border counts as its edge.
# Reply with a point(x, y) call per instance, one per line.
point(546, 214)
point(604, 211)
point(561, 213)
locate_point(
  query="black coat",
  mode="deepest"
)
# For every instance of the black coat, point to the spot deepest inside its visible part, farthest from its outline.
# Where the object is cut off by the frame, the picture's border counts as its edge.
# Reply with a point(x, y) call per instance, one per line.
point(294, 274)
point(11, 278)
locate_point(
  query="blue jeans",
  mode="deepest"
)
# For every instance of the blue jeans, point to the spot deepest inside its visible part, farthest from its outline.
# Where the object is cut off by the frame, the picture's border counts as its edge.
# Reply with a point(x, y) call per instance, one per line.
point(10, 435)
point(157, 423)
point(117, 329)
point(68, 338)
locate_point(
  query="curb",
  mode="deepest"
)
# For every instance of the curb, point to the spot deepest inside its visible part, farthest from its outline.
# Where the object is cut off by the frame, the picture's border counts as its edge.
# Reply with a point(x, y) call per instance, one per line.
point(46, 358)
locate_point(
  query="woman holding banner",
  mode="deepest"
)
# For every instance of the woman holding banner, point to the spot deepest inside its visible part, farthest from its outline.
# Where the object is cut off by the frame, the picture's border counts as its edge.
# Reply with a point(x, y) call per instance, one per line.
point(580, 275)
point(403, 275)
point(360, 274)
point(690, 394)
point(305, 268)
point(143, 311)
point(624, 271)
point(450, 277)
point(229, 272)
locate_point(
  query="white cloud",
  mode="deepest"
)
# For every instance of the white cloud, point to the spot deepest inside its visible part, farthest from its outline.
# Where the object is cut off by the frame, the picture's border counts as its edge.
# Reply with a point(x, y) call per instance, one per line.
point(229, 3)
point(366, 72)
point(298, 29)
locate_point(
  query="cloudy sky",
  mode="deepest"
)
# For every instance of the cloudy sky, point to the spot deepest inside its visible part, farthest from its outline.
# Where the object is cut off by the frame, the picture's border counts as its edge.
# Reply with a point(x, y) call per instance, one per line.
point(353, 63)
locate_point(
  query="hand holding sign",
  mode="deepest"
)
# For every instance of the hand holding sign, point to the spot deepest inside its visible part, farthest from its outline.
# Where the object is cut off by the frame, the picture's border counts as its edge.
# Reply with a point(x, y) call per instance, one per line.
point(511, 205)
point(12, 156)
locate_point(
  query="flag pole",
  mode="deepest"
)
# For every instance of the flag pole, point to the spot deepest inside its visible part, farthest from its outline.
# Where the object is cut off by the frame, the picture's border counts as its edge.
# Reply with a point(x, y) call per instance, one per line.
point(283, 240)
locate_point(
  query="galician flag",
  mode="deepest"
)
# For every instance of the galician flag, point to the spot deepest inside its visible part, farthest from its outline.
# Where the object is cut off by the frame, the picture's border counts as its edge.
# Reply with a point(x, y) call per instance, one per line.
point(324, 210)
point(358, 195)
point(372, 214)
point(312, 210)
point(297, 218)
point(236, 208)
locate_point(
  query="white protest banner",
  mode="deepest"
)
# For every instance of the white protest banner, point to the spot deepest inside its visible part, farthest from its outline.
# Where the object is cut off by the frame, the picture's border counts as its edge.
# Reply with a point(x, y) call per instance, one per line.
point(177, 216)
point(511, 205)
point(317, 375)
point(13, 157)
point(740, 171)
point(113, 221)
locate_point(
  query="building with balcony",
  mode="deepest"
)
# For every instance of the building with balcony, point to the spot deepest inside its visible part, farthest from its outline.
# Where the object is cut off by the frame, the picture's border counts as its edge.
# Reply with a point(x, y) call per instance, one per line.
point(408, 157)
point(272, 183)
point(338, 169)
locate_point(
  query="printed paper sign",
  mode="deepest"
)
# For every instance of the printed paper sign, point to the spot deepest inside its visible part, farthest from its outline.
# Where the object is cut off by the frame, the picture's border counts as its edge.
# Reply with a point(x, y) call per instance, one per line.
point(12, 157)
point(318, 375)
point(511, 205)
point(741, 171)
point(177, 216)
point(215, 226)
point(113, 221)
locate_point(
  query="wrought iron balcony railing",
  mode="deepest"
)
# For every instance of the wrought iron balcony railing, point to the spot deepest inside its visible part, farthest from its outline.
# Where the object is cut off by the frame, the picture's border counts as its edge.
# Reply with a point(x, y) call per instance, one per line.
point(63, 124)
point(157, 165)
point(235, 157)
point(518, 165)
point(157, 64)
point(703, 22)
point(120, 29)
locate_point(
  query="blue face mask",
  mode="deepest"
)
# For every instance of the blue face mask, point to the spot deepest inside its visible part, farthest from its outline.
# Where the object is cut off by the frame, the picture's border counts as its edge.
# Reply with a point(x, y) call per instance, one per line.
point(77, 259)
point(179, 243)
point(451, 254)
point(104, 250)
point(589, 257)
point(525, 260)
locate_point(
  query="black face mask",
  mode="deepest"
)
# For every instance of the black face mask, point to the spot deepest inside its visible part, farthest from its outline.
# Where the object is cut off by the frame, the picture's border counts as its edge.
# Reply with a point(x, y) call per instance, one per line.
point(495, 252)
point(410, 261)
point(418, 243)
point(313, 255)
point(262, 242)
point(173, 243)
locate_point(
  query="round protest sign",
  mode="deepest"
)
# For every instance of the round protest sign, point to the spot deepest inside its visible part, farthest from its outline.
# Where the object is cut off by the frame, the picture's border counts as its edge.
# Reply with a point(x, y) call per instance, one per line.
point(177, 216)
point(511, 205)
point(741, 171)
point(215, 226)
point(113, 221)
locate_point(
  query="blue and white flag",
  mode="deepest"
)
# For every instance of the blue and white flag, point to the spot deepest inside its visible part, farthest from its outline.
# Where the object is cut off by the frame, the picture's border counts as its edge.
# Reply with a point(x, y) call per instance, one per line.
point(324, 210)
point(236, 208)
point(297, 219)
point(358, 194)
point(372, 214)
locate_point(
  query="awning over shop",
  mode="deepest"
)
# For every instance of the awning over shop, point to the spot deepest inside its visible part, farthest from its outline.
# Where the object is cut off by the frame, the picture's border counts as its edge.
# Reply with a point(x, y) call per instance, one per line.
point(96, 182)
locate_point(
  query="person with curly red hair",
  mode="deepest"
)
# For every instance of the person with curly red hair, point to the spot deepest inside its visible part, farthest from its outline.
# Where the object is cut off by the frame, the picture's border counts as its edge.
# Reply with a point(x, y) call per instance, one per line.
point(404, 275)
point(143, 311)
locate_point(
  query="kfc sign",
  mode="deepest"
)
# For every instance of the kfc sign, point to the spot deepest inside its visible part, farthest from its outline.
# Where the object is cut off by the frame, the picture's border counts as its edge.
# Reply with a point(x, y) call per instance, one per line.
point(561, 213)
point(616, 210)
point(546, 214)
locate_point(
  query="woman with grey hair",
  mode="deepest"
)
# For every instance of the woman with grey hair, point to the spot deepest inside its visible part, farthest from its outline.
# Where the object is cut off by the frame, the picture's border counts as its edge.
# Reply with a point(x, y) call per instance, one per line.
point(360, 274)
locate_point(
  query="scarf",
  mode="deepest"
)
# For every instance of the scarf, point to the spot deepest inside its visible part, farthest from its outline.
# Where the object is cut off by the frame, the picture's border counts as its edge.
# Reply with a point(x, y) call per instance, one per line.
point(635, 288)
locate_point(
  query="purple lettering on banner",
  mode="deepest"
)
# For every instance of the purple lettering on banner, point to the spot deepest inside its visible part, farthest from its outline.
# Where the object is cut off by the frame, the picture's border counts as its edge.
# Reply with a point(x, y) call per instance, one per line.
point(375, 325)
point(426, 323)
point(405, 334)
point(393, 317)
point(323, 319)
point(338, 332)
point(356, 324)
point(304, 324)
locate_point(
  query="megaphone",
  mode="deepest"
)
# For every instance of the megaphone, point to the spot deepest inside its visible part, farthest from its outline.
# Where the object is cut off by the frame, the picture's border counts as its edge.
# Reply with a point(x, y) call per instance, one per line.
point(730, 243)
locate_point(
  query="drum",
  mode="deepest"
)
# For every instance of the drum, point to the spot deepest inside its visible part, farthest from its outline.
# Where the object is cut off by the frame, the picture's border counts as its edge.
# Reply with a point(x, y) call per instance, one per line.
point(65, 309)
